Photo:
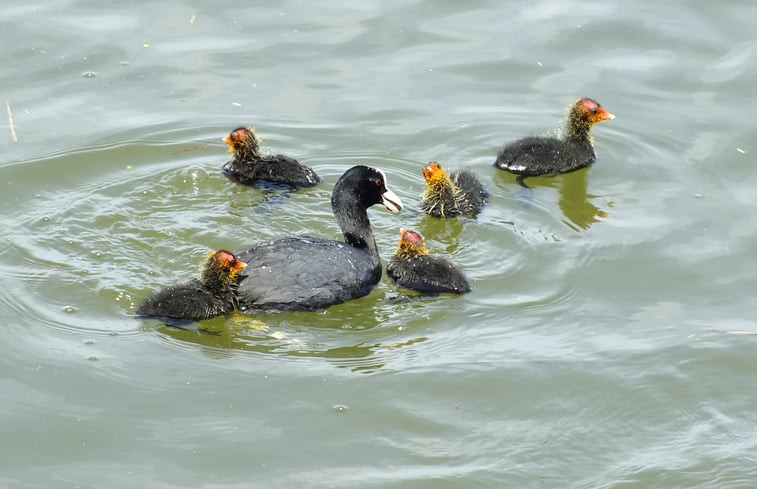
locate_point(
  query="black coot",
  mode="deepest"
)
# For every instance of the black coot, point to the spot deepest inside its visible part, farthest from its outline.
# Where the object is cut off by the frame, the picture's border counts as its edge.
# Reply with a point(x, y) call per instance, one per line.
point(450, 195)
point(212, 294)
point(533, 156)
point(250, 167)
point(412, 267)
point(305, 273)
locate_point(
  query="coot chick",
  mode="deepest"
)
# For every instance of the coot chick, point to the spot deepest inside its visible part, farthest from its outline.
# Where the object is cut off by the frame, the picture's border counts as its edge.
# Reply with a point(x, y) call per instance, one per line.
point(450, 195)
point(212, 294)
point(532, 156)
point(306, 273)
point(250, 167)
point(412, 267)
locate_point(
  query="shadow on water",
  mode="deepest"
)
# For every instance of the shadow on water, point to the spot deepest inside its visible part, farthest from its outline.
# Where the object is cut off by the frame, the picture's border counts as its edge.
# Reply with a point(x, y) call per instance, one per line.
point(272, 198)
point(574, 199)
point(264, 198)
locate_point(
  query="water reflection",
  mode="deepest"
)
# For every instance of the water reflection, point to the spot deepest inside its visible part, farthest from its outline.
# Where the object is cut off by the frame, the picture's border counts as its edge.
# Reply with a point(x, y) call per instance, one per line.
point(221, 337)
point(444, 232)
point(360, 358)
point(574, 199)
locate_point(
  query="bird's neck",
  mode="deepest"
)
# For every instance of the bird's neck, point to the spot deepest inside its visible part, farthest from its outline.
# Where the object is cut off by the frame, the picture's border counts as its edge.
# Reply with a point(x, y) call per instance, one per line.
point(579, 129)
point(356, 227)
point(407, 250)
point(217, 280)
point(247, 153)
point(443, 185)
point(440, 190)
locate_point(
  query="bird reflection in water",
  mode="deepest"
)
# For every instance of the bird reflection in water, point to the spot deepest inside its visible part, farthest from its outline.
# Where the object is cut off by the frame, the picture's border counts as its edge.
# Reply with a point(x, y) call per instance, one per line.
point(227, 336)
point(574, 200)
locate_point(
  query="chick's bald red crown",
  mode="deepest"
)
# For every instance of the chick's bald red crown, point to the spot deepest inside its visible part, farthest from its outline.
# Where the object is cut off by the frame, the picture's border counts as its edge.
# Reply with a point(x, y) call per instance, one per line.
point(595, 108)
point(410, 236)
point(229, 260)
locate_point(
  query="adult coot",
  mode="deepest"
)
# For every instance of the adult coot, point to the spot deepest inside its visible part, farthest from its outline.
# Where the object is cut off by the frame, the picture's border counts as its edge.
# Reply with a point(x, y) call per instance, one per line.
point(532, 156)
point(450, 195)
point(250, 167)
point(412, 267)
point(212, 294)
point(305, 273)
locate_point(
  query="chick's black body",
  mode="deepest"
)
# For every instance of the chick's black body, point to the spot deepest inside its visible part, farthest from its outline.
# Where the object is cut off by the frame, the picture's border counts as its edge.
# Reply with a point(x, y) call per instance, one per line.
point(213, 294)
point(535, 155)
point(427, 273)
point(472, 193)
point(250, 167)
point(449, 195)
point(191, 300)
point(412, 267)
point(271, 169)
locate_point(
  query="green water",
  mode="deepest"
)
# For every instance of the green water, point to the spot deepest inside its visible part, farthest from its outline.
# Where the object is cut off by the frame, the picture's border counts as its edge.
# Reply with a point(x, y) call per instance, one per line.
point(602, 345)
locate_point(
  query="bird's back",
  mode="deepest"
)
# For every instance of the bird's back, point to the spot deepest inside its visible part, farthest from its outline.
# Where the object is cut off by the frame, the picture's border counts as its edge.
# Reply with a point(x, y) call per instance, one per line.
point(190, 300)
point(304, 273)
point(535, 155)
point(286, 170)
point(272, 169)
point(427, 273)
point(472, 195)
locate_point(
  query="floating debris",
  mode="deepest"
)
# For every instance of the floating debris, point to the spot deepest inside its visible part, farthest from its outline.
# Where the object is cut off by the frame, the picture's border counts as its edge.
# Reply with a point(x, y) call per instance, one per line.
point(278, 335)
point(10, 122)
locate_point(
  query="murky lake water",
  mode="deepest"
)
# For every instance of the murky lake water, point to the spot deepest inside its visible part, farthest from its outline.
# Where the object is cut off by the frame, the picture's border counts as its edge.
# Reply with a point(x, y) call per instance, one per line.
point(599, 348)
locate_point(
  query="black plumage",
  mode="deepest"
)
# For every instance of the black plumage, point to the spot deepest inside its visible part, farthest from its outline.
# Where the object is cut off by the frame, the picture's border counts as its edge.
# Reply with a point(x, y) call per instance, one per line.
point(307, 273)
point(212, 294)
point(412, 267)
point(250, 167)
point(451, 194)
point(536, 155)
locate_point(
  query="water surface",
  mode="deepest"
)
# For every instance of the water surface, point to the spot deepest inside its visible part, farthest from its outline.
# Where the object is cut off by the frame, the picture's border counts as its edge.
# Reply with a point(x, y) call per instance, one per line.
point(607, 342)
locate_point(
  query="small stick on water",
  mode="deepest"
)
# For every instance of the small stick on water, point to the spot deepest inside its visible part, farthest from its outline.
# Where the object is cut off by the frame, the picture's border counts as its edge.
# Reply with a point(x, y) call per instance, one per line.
point(191, 148)
point(10, 121)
